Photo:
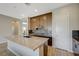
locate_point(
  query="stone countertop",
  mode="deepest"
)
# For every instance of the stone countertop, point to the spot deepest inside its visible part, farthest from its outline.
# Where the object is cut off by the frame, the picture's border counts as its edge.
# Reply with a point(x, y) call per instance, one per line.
point(32, 42)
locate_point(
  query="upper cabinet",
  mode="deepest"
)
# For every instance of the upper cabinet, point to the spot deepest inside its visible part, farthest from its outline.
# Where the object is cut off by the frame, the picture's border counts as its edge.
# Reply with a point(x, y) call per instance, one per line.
point(41, 21)
point(34, 23)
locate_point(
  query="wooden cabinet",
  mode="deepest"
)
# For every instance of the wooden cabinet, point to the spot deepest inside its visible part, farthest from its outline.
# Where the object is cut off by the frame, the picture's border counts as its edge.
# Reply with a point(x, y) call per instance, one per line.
point(49, 22)
point(44, 21)
point(34, 23)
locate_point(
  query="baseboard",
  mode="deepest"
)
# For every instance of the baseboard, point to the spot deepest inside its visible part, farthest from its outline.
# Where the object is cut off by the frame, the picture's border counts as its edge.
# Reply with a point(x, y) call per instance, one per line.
point(13, 52)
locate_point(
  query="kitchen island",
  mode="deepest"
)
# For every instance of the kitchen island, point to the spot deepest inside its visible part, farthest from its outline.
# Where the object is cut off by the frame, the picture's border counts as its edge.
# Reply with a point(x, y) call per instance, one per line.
point(32, 44)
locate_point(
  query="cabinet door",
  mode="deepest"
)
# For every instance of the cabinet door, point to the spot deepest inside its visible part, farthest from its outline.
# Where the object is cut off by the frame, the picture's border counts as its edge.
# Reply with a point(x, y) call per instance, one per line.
point(37, 22)
point(49, 21)
point(31, 24)
point(43, 21)
point(34, 23)
point(46, 21)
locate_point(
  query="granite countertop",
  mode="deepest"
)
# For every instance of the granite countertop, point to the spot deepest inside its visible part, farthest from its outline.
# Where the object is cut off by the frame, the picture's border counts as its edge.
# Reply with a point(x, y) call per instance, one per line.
point(32, 42)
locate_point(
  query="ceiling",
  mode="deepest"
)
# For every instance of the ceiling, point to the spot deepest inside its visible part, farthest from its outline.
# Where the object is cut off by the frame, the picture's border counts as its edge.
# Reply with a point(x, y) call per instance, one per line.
point(21, 10)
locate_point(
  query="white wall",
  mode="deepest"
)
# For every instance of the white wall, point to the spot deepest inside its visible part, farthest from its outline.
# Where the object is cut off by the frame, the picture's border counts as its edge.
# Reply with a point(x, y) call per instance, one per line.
point(5, 25)
point(5, 28)
point(64, 20)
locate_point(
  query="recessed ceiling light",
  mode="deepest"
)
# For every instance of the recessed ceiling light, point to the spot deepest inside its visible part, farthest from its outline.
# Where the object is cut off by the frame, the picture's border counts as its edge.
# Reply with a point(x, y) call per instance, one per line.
point(36, 10)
